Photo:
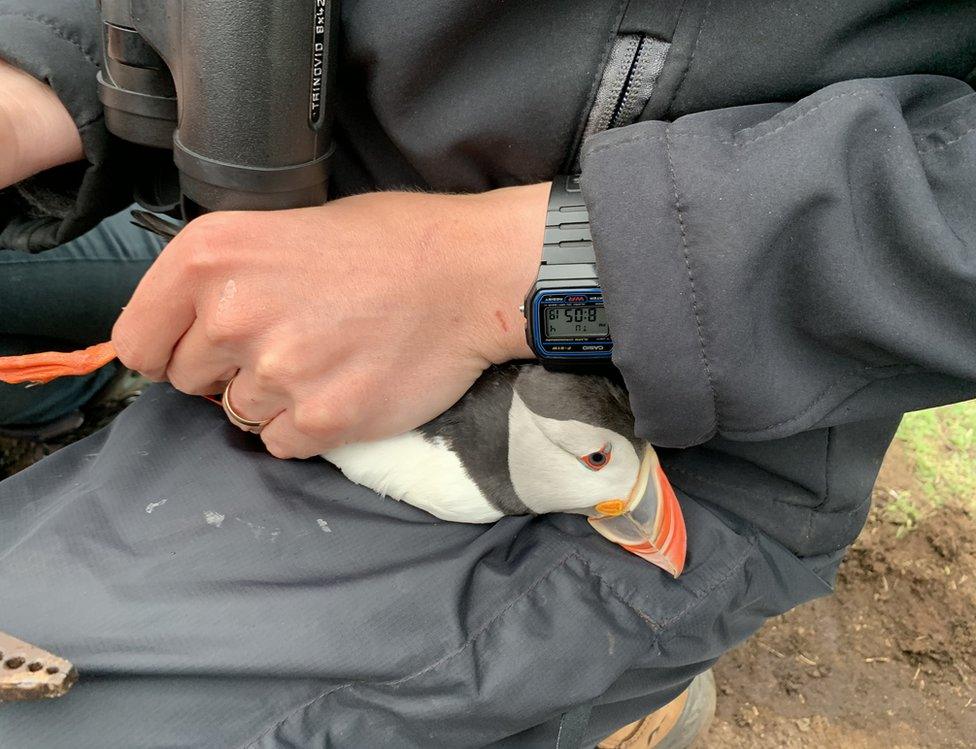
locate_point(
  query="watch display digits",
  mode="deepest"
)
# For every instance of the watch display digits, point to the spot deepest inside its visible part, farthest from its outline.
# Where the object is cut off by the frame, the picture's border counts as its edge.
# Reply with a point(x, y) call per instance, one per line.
point(565, 315)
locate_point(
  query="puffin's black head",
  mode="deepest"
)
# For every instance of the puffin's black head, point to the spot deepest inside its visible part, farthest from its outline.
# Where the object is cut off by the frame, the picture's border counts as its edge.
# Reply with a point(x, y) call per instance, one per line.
point(595, 400)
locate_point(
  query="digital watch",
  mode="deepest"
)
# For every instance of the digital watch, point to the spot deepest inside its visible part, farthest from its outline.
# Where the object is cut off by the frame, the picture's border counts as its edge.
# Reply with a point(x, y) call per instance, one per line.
point(565, 318)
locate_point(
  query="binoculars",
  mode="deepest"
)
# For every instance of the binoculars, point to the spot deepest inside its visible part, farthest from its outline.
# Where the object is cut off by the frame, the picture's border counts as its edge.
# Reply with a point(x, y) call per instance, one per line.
point(241, 92)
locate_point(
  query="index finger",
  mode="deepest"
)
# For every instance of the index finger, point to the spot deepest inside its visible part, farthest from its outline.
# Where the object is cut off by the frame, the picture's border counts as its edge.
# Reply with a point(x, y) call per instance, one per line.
point(161, 310)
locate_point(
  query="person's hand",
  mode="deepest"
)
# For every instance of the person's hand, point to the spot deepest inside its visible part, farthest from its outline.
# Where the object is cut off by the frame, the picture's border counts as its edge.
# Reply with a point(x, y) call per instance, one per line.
point(350, 322)
point(36, 131)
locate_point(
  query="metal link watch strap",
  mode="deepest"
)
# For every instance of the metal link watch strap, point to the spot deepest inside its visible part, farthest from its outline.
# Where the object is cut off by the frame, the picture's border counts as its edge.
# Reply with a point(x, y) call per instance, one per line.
point(567, 250)
point(568, 264)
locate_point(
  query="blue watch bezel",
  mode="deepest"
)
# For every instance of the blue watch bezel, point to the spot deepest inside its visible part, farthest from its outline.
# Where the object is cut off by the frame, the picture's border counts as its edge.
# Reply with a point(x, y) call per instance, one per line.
point(539, 344)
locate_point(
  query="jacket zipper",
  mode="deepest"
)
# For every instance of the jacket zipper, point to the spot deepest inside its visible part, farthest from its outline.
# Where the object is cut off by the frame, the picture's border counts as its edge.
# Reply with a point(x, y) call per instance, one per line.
point(628, 79)
point(627, 90)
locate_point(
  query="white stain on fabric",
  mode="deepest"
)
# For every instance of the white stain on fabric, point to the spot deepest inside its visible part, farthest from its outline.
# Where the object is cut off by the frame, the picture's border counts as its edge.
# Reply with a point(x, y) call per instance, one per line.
point(153, 505)
point(261, 532)
point(214, 518)
point(324, 526)
point(227, 296)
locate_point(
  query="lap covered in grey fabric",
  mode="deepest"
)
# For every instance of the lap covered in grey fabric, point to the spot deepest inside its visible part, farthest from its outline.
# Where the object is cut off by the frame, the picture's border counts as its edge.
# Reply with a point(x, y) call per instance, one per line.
point(213, 596)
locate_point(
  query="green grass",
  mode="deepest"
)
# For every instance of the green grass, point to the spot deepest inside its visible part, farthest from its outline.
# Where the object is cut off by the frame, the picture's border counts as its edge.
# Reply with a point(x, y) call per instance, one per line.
point(942, 443)
point(903, 512)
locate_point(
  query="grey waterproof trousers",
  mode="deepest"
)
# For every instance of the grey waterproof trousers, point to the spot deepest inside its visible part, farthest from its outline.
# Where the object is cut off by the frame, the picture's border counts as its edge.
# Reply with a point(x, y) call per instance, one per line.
point(213, 596)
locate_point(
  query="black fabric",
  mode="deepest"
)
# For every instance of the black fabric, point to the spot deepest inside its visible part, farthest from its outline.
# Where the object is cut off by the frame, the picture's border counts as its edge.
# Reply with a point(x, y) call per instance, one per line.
point(190, 578)
point(471, 95)
point(657, 19)
point(771, 51)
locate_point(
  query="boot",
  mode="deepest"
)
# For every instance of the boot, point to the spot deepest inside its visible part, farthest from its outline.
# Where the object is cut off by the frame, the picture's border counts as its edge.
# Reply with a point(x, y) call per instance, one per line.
point(676, 725)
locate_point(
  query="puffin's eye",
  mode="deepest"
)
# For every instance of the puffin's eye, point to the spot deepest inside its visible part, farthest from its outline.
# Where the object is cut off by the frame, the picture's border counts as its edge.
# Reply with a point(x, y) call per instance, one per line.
point(599, 459)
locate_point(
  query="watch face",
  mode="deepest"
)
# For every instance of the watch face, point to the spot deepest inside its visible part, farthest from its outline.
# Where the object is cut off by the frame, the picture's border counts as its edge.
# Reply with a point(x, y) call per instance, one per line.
point(570, 324)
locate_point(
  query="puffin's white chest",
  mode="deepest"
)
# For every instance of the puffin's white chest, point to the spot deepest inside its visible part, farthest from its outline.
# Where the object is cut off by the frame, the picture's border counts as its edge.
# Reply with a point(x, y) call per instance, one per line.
point(424, 473)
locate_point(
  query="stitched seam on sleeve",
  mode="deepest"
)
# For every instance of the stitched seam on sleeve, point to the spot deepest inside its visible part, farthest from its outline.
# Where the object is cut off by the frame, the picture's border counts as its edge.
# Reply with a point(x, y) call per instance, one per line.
point(717, 585)
point(426, 669)
point(894, 369)
point(735, 142)
point(946, 144)
point(58, 31)
point(691, 278)
point(617, 595)
point(623, 142)
point(733, 567)
point(856, 94)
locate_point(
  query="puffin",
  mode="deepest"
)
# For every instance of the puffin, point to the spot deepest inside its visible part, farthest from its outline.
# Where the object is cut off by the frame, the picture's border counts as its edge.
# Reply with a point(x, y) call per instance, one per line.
point(525, 440)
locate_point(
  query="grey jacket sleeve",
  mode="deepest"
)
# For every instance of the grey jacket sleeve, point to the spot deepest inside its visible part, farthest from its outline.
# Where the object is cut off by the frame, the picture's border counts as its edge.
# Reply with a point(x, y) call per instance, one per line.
point(57, 42)
point(772, 268)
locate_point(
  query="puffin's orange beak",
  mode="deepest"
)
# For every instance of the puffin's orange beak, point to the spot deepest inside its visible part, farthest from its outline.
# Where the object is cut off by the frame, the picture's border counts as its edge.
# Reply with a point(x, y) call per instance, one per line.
point(649, 522)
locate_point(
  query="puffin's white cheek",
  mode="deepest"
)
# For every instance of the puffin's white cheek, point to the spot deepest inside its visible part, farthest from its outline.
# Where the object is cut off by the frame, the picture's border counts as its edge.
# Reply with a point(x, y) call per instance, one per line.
point(547, 478)
point(621, 475)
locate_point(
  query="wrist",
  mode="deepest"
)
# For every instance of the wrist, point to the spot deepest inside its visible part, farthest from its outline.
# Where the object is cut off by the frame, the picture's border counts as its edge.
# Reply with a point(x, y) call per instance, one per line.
point(36, 131)
point(519, 214)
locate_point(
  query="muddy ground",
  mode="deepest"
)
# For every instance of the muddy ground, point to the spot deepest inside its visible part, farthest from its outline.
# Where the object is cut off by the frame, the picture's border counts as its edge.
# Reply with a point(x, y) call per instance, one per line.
point(888, 662)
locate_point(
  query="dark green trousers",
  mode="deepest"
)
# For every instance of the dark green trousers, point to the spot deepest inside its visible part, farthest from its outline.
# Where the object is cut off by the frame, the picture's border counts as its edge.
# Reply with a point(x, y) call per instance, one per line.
point(65, 299)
